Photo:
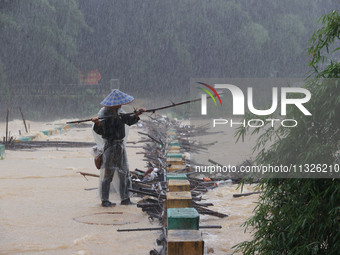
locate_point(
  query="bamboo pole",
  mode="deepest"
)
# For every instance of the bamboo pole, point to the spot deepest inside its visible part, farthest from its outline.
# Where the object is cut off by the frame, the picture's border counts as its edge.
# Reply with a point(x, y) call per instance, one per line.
point(23, 118)
point(6, 139)
point(161, 228)
point(246, 194)
point(88, 174)
point(149, 110)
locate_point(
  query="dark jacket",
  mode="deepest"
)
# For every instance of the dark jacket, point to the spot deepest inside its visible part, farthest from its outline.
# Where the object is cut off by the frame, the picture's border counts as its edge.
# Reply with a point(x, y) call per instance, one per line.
point(113, 128)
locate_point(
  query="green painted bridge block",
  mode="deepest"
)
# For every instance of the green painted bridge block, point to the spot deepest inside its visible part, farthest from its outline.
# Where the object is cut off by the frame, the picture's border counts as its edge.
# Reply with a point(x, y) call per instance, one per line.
point(25, 138)
point(174, 155)
point(59, 129)
point(173, 176)
point(174, 143)
point(183, 218)
point(46, 132)
point(2, 150)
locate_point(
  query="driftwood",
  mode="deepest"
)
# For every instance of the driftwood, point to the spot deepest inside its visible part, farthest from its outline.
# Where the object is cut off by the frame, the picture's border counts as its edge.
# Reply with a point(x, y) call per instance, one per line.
point(152, 186)
point(152, 138)
point(88, 174)
point(203, 210)
point(148, 193)
point(246, 194)
point(214, 162)
point(209, 226)
point(140, 141)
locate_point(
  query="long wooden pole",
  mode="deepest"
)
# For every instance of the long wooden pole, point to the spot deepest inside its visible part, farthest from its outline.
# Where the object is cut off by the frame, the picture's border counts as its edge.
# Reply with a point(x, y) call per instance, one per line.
point(161, 228)
point(168, 106)
point(88, 174)
point(7, 125)
point(246, 194)
point(149, 110)
point(23, 118)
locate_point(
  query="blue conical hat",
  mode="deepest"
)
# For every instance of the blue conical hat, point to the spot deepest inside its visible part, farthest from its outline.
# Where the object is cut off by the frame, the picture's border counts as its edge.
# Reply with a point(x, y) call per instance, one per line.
point(117, 97)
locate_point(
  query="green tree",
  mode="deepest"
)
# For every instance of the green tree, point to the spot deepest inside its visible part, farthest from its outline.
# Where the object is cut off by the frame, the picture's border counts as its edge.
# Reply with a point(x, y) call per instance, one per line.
point(7, 23)
point(302, 216)
point(148, 44)
point(39, 40)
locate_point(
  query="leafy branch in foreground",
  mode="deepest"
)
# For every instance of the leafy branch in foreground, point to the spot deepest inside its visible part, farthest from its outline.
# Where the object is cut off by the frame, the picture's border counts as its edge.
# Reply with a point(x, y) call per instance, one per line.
point(302, 216)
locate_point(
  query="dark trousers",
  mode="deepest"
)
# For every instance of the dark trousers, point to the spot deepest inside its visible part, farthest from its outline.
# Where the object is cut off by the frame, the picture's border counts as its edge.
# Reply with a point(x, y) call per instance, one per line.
point(115, 160)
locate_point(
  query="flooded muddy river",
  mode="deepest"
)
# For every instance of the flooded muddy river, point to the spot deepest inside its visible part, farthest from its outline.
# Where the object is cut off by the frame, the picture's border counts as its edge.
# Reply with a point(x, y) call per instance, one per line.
point(47, 207)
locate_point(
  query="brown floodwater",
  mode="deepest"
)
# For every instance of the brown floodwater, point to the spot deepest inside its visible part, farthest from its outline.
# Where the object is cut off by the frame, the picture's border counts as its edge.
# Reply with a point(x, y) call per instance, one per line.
point(47, 207)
